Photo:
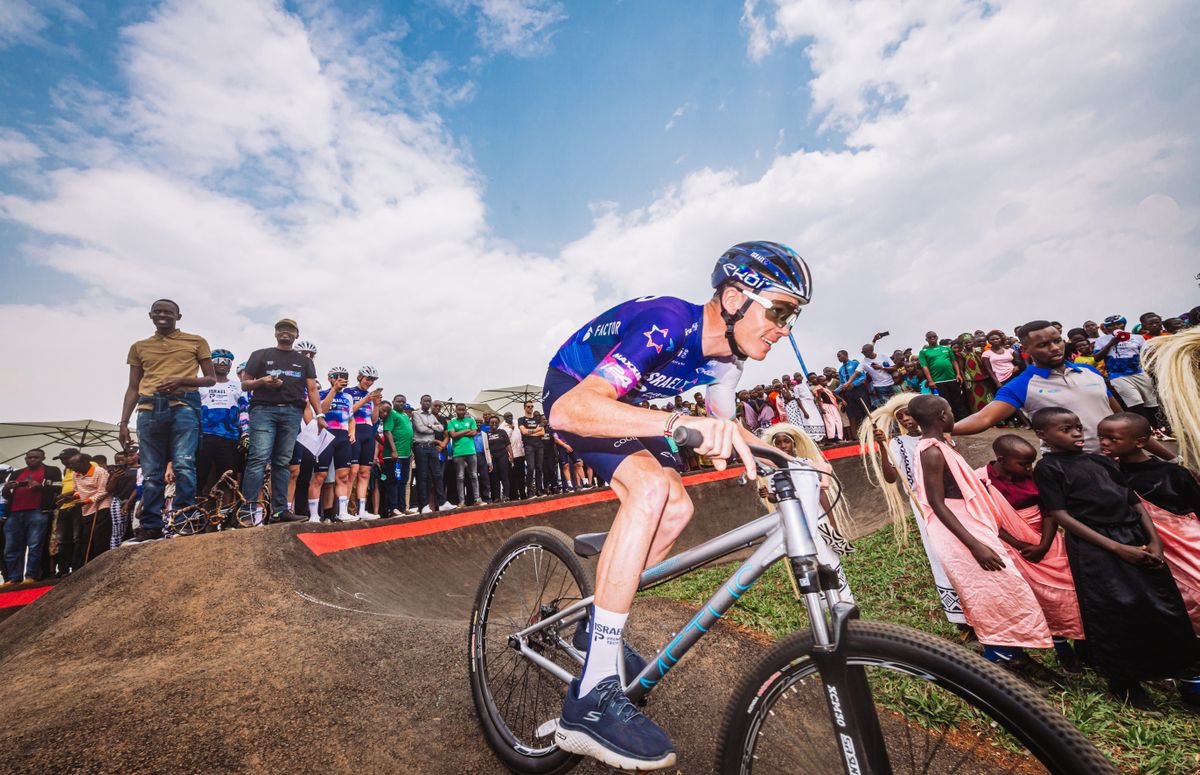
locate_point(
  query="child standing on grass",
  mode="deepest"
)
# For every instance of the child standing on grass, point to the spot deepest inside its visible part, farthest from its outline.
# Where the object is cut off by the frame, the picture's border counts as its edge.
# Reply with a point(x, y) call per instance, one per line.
point(961, 517)
point(1170, 496)
point(896, 464)
point(1134, 618)
point(1034, 544)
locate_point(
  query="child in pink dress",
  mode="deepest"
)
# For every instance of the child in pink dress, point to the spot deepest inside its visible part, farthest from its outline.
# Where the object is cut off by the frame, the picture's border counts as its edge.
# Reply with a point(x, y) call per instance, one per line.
point(962, 519)
point(1033, 543)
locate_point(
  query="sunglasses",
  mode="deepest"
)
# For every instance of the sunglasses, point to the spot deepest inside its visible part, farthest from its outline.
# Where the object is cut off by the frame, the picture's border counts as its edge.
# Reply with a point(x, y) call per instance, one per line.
point(370, 379)
point(781, 313)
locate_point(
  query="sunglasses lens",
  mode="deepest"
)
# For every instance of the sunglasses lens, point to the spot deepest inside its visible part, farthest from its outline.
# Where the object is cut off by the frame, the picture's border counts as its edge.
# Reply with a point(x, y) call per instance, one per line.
point(783, 314)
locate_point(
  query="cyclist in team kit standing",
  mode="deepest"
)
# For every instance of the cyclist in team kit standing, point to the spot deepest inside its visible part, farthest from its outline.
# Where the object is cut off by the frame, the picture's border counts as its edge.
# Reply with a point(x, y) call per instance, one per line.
point(651, 348)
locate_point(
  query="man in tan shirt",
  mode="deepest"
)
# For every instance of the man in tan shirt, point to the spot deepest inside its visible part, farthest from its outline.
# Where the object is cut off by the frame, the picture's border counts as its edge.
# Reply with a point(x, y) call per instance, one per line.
point(162, 386)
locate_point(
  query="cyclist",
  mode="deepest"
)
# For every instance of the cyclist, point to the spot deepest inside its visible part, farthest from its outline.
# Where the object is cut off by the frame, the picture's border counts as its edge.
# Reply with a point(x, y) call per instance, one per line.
point(219, 427)
point(337, 406)
point(646, 349)
point(366, 414)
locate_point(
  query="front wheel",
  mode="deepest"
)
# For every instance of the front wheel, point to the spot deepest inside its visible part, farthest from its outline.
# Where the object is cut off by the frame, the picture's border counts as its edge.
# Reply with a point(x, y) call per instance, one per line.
point(532, 577)
point(941, 709)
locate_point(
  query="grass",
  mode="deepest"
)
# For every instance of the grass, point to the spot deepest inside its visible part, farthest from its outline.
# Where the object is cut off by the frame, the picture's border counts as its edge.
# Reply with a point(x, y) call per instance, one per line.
point(895, 585)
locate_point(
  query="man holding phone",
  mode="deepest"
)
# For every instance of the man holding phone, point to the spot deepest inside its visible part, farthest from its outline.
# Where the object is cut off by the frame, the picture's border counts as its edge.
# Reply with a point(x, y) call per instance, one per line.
point(282, 380)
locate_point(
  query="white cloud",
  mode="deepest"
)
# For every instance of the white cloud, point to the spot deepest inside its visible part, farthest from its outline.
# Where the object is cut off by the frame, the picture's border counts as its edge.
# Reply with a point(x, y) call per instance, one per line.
point(21, 22)
point(15, 148)
point(518, 27)
point(675, 116)
point(1037, 161)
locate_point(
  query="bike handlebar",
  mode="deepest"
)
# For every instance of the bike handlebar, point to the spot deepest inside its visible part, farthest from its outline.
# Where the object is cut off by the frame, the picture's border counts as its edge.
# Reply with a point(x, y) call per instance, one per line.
point(690, 437)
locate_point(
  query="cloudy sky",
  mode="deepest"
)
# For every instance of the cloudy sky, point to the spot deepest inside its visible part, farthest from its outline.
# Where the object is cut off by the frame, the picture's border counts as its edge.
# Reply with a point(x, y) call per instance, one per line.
point(446, 188)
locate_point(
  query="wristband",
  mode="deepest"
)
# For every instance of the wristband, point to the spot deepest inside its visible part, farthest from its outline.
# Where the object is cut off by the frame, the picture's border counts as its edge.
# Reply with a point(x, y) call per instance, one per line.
point(672, 421)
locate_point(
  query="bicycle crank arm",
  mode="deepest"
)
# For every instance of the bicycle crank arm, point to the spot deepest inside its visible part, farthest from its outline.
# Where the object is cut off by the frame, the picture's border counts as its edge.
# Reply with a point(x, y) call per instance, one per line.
point(851, 707)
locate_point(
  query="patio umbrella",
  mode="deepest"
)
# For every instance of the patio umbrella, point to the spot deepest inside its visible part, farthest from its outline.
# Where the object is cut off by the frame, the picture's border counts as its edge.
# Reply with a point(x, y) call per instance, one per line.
point(17, 438)
point(500, 399)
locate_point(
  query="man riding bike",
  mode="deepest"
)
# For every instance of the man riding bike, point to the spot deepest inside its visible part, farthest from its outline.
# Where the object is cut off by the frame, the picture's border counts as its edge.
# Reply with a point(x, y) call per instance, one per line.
point(651, 348)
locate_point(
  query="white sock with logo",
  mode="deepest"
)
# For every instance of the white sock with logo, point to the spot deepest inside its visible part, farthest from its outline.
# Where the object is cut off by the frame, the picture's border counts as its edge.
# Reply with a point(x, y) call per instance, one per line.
point(604, 649)
point(343, 505)
point(314, 507)
point(362, 506)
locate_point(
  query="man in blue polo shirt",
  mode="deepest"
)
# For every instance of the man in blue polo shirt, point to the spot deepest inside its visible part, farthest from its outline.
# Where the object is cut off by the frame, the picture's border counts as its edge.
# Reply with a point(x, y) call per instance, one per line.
point(1051, 381)
point(853, 390)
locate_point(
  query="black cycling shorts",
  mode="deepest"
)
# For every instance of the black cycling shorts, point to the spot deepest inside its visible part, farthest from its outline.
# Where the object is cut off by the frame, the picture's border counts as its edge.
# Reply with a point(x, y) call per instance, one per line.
point(337, 453)
point(363, 452)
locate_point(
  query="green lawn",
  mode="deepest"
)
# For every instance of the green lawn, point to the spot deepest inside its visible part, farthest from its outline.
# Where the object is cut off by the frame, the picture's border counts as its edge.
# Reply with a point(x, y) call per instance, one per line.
point(896, 586)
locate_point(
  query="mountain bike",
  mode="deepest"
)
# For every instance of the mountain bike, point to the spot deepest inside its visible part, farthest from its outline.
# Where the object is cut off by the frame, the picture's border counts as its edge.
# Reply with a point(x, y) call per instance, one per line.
point(215, 511)
point(845, 695)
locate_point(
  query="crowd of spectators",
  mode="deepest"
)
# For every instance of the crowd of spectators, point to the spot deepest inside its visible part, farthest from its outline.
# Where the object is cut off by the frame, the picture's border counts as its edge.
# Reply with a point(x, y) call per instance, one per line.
point(358, 455)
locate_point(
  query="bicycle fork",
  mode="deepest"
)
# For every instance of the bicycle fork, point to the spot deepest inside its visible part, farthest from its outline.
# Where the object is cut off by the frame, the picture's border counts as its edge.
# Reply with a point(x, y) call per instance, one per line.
point(847, 692)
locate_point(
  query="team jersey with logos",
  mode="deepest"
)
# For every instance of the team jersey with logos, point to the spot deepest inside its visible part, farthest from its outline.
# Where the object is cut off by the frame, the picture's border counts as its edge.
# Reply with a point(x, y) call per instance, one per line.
point(337, 417)
point(220, 409)
point(650, 348)
point(363, 413)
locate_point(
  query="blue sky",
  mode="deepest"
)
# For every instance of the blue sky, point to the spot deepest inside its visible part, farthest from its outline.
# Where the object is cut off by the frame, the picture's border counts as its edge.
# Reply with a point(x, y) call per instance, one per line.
point(445, 189)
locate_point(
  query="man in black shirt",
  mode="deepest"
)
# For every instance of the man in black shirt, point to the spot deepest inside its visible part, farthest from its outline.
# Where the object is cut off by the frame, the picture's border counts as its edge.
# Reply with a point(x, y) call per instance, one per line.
point(501, 453)
point(532, 434)
point(281, 380)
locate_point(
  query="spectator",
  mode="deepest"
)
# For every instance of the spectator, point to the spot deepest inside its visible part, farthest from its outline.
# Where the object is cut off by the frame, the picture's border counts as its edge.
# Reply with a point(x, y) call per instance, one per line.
point(30, 492)
point(462, 430)
point(281, 379)
point(1122, 356)
point(219, 425)
point(830, 405)
point(122, 485)
point(397, 453)
point(535, 452)
point(94, 531)
point(516, 444)
point(1152, 325)
point(942, 372)
point(163, 387)
point(483, 458)
point(333, 462)
point(65, 524)
point(998, 358)
point(500, 449)
point(852, 388)
point(426, 453)
point(879, 370)
point(977, 382)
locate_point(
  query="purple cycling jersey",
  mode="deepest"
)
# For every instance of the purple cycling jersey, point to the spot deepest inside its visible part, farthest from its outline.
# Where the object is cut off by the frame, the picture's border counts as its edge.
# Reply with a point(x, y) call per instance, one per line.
point(650, 348)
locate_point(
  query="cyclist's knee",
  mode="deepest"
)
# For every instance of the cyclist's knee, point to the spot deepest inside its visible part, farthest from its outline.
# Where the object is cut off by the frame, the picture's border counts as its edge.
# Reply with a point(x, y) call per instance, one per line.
point(650, 492)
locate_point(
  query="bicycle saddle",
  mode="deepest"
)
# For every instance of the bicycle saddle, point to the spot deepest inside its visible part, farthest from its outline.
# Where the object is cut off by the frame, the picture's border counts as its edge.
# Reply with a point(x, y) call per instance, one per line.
point(590, 544)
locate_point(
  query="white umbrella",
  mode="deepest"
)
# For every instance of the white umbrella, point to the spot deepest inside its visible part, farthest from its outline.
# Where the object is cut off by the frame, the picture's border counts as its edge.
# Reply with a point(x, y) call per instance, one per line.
point(500, 399)
point(17, 438)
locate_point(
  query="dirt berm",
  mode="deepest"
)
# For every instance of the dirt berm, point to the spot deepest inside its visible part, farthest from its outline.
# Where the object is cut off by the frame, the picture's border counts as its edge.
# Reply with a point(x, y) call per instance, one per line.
point(319, 649)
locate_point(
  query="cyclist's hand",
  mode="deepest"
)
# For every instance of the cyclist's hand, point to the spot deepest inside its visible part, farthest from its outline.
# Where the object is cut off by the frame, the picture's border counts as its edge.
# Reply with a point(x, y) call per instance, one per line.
point(721, 439)
point(321, 424)
point(987, 559)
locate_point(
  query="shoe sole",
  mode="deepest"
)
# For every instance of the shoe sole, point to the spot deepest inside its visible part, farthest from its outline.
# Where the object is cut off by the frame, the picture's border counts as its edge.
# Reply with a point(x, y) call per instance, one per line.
point(583, 744)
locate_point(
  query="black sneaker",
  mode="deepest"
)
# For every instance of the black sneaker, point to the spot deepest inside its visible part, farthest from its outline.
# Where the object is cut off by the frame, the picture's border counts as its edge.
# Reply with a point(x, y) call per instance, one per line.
point(1068, 660)
point(1033, 671)
point(634, 662)
point(287, 516)
point(143, 534)
point(1135, 697)
point(604, 725)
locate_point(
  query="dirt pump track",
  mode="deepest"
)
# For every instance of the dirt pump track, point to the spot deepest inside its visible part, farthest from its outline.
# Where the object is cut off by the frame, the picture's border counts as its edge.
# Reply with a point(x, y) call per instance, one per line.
point(322, 648)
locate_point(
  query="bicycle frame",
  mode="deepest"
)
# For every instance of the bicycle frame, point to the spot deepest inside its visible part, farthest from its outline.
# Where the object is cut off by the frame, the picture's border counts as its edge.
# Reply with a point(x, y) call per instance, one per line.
point(790, 532)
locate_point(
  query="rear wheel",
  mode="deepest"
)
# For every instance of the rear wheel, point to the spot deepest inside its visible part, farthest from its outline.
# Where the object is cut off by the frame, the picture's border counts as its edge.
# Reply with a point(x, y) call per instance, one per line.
point(193, 519)
point(941, 708)
point(252, 513)
point(532, 577)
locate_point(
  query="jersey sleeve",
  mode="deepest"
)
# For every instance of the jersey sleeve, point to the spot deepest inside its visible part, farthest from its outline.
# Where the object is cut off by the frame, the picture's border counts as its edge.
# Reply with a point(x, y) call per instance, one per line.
point(650, 341)
point(721, 396)
point(1013, 392)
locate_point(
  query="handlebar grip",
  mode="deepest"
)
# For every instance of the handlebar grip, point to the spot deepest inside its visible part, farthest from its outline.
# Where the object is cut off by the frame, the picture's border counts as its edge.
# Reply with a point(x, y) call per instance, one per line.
point(687, 437)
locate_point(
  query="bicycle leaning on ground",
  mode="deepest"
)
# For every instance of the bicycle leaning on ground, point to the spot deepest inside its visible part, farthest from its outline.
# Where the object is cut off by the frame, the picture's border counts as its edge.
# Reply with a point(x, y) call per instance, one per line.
point(844, 695)
point(222, 508)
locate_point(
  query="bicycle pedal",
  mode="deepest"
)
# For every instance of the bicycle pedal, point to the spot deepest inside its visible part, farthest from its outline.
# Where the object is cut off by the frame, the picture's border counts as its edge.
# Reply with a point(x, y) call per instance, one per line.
point(547, 728)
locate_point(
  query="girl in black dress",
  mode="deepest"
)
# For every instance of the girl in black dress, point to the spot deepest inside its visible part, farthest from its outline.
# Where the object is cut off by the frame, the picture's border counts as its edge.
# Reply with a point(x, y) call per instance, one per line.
point(1134, 620)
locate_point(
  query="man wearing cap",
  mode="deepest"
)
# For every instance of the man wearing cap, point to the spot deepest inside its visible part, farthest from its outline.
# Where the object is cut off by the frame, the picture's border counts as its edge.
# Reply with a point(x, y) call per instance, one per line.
point(219, 427)
point(1122, 356)
point(282, 380)
point(163, 387)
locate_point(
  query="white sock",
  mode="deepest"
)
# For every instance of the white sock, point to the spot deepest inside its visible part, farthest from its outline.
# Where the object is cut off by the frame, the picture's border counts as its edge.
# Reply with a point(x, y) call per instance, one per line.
point(343, 506)
point(291, 506)
point(314, 507)
point(362, 506)
point(604, 649)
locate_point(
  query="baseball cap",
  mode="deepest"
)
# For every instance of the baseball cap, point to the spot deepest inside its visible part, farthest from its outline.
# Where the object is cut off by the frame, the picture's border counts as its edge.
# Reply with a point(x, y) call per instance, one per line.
point(287, 322)
point(66, 454)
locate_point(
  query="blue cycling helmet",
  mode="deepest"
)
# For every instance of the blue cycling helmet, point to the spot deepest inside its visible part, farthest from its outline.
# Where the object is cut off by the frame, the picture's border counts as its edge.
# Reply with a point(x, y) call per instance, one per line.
point(222, 355)
point(765, 266)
